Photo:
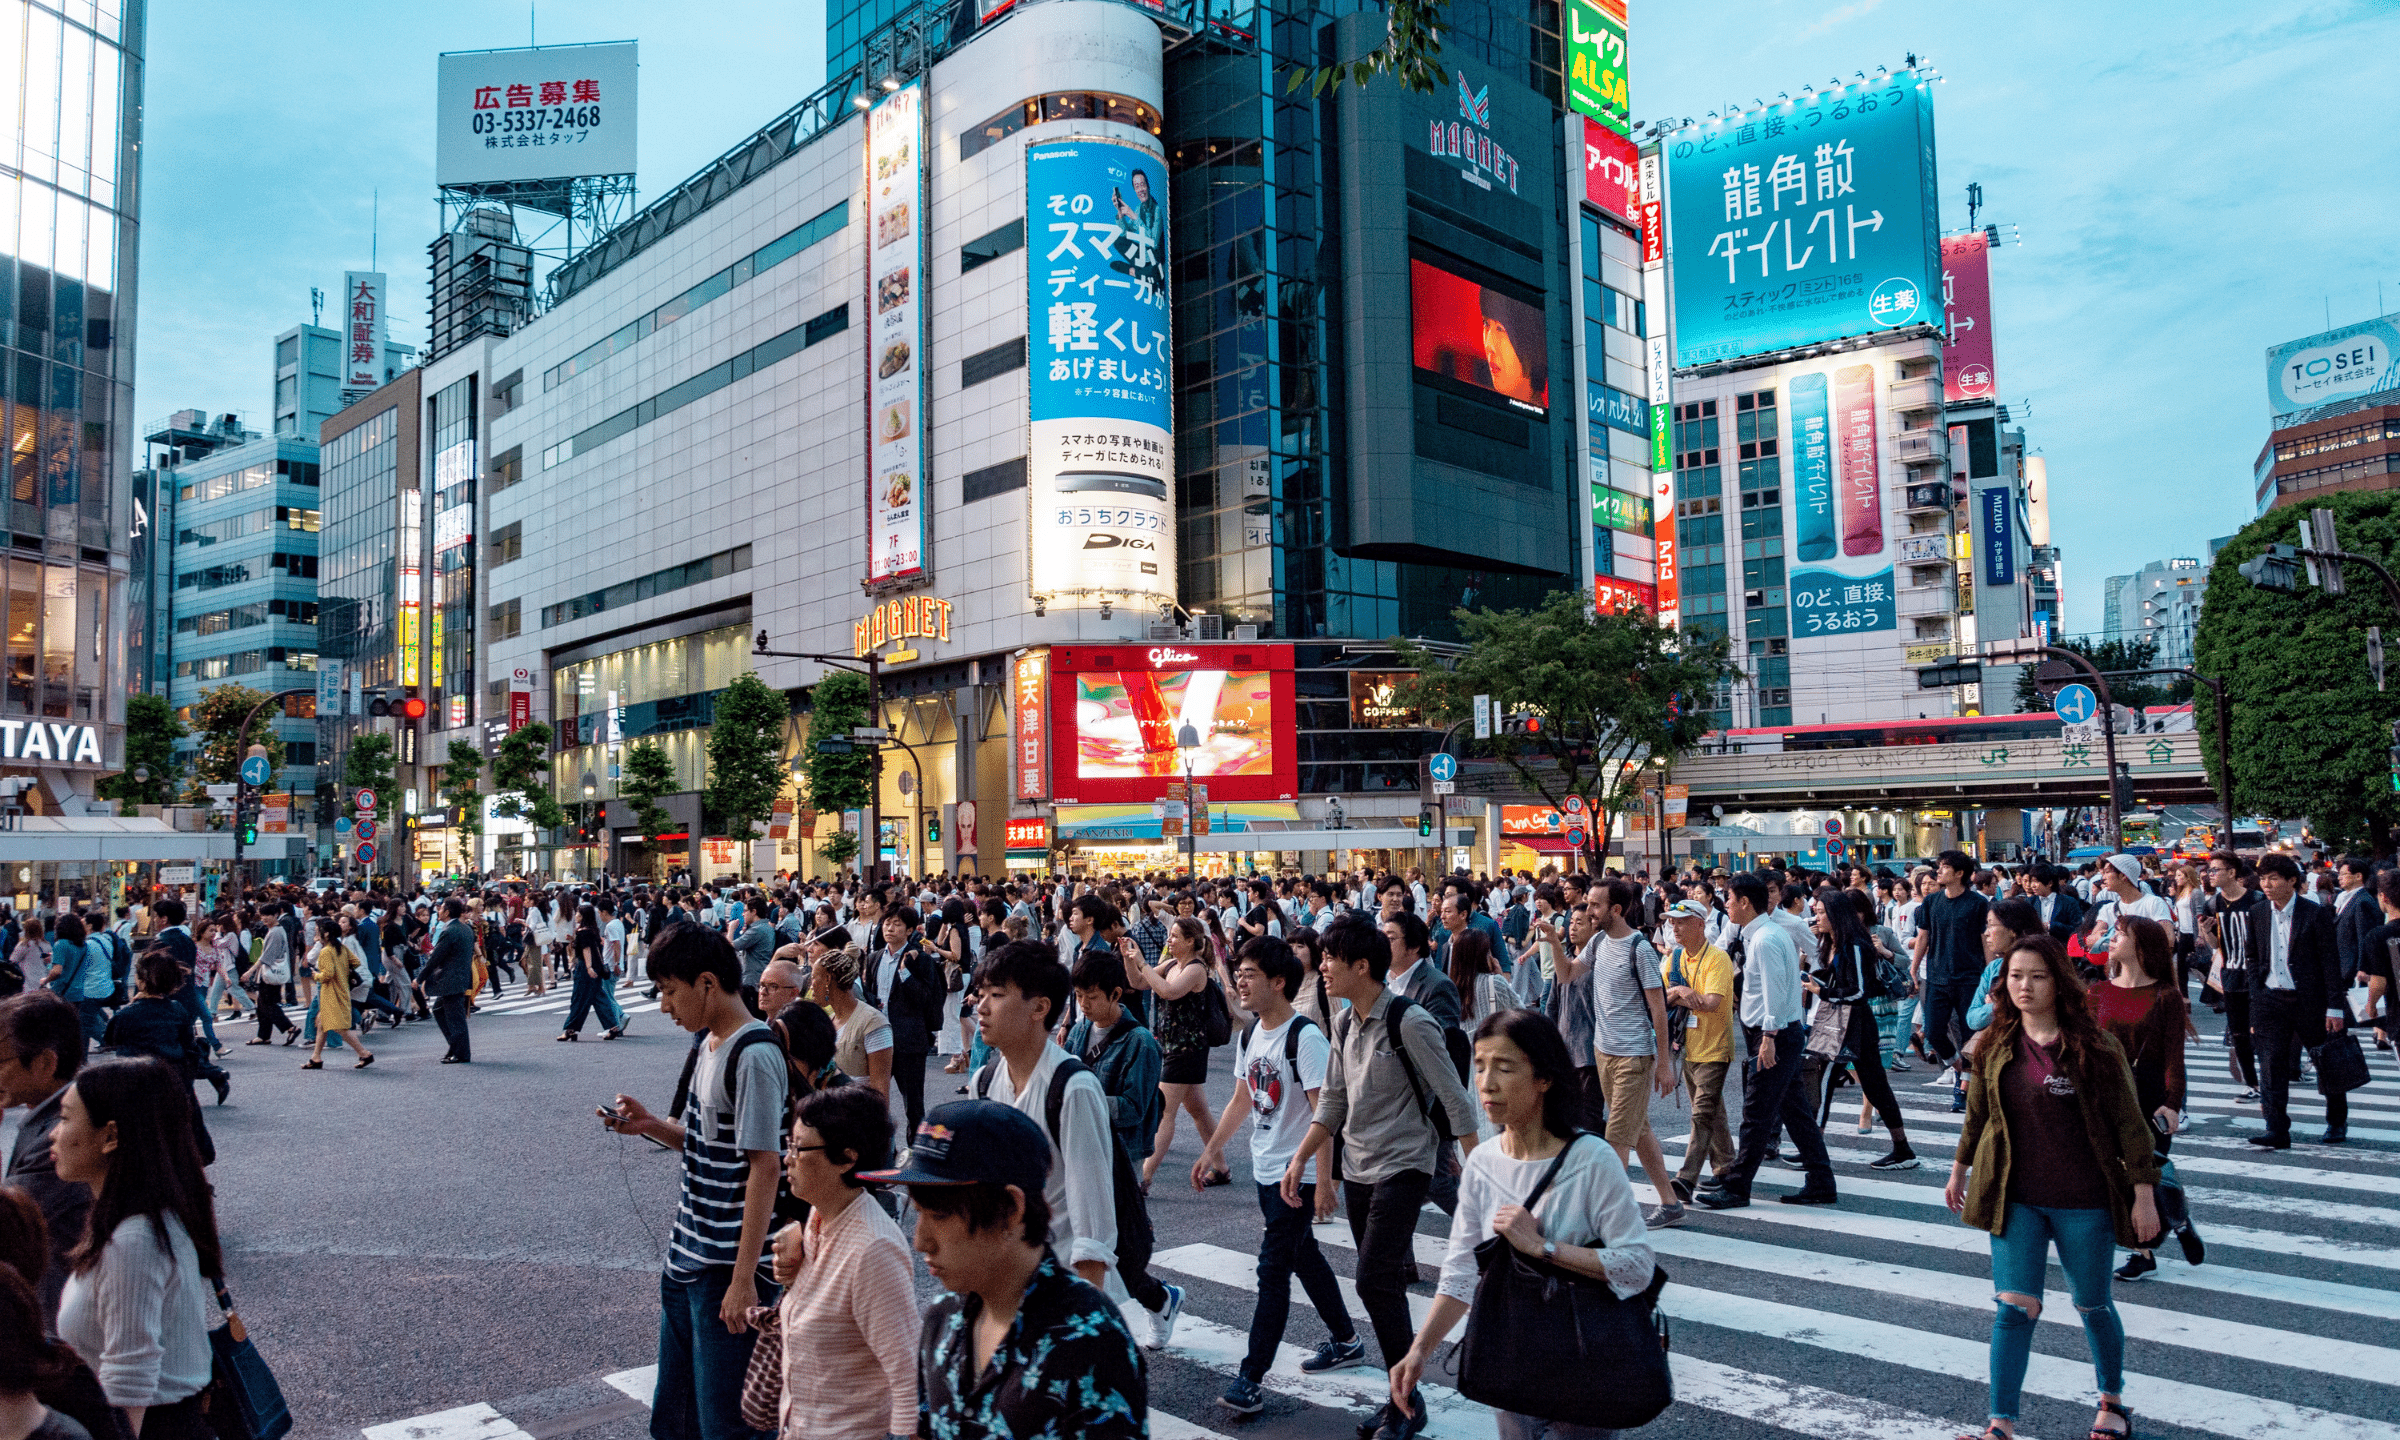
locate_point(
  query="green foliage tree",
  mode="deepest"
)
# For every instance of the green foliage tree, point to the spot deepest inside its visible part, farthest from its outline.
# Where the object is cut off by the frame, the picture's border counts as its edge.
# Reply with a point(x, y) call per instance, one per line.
point(151, 731)
point(521, 777)
point(838, 782)
point(217, 717)
point(462, 785)
point(648, 775)
point(2111, 657)
point(1614, 692)
point(1412, 44)
point(368, 766)
point(745, 754)
point(2310, 731)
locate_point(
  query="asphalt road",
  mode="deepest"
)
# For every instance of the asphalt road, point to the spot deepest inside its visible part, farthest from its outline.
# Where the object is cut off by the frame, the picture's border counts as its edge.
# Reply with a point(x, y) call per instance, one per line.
point(413, 1240)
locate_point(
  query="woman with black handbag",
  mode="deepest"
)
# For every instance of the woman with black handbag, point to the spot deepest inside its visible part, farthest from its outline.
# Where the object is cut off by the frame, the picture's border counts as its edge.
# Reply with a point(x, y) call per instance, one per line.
point(1544, 1202)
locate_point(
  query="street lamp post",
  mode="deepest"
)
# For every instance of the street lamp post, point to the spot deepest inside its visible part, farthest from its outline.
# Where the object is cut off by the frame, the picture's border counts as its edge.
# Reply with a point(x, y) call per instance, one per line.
point(1187, 740)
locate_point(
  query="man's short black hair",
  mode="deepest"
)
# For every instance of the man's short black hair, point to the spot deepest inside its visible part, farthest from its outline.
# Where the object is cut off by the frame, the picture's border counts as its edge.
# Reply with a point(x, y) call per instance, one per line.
point(1352, 938)
point(685, 952)
point(856, 1125)
point(2280, 864)
point(1032, 969)
point(1752, 889)
point(1274, 960)
point(809, 1035)
point(1095, 908)
point(905, 914)
point(1101, 970)
point(1413, 931)
point(451, 909)
point(1959, 862)
point(171, 909)
point(985, 1206)
point(38, 1020)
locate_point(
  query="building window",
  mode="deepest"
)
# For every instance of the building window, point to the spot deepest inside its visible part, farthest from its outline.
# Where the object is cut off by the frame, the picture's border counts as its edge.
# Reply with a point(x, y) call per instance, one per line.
point(657, 582)
point(984, 249)
point(991, 364)
point(298, 519)
point(508, 467)
point(508, 542)
point(506, 622)
point(995, 479)
point(1066, 105)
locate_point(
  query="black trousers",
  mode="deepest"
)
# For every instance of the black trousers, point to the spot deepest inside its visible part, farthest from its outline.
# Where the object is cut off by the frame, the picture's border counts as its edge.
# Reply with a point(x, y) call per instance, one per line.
point(1773, 1101)
point(450, 1012)
point(1383, 1225)
point(908, 1072)
point(2237, 1025)
point(2281, 1029)
point(270, 1012)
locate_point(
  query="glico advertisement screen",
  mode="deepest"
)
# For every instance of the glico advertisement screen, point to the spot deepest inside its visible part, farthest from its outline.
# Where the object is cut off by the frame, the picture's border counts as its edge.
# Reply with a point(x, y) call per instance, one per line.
point(1475, 335)
point(1124, 711)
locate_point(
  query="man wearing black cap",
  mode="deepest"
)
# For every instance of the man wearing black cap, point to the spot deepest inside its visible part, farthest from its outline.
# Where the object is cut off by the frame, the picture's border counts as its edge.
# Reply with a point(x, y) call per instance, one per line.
point(1020, 1346)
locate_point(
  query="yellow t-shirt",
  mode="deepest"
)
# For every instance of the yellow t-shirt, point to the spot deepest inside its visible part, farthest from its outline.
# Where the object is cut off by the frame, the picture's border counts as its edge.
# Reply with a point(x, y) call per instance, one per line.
point(1709, 1038)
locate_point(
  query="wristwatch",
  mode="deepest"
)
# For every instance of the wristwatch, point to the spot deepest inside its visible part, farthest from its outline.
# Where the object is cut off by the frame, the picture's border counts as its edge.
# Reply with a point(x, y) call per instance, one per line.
point(1549, 1249)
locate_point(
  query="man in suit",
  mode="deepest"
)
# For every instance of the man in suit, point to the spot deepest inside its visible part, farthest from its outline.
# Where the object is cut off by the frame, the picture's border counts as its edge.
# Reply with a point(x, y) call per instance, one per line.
point(449, 972)
point(41, 1048)
point(904, 980)
point(2296, 997)
point(2055, 901)
point(2355, 913)
point(1414, 973)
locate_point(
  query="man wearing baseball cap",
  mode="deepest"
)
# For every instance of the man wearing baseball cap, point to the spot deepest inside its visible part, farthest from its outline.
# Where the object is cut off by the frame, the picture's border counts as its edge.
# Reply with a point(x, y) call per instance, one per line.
point(2122, 894)
point(1699, 979)
point(1020, 1346)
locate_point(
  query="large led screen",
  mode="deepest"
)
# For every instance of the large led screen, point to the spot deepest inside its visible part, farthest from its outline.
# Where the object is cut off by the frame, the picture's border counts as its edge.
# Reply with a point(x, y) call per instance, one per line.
point(1127, 721)
point(1476, 335)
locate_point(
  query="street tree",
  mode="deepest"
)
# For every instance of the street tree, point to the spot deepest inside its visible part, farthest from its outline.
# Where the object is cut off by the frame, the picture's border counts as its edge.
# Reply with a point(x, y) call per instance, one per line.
point(1618, 695)
point(745, 754)
point(217, 718)
point(2112, 658)
point(151, 731)
point(521, 778)
point(838, 781)
point(462, 785)
point(1410, 53)
point(2310, 732)
point(368, 766)
point(649, 773)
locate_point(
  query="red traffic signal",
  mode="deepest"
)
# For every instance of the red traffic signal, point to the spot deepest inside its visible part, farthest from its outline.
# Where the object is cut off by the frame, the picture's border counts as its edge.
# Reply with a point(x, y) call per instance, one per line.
point(411, 708)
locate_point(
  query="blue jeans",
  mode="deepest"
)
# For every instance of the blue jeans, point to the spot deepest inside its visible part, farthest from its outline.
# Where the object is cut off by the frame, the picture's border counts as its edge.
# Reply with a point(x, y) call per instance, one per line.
point(2087, 1241)
point(93, 1016)
point(611, 1012)
point(1287, 1248)
point(700, 1363)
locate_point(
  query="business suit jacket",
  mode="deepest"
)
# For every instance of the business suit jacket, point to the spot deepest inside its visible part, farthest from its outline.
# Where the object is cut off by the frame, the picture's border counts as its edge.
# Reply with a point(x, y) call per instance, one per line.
point(2315, 960)
point(915, 1005)
point(451, 967)
point(2350, 927)
point(2067, 914)
point(1429, 987)
point(64, 1203)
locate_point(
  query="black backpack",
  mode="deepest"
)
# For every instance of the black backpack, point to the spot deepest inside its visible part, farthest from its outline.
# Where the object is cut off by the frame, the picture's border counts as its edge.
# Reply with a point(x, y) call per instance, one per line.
point(787, 1206)
point(120, 968)
point(1430, 1108)
point(1291, 1038)
point(1216, 1017)
point(1135, 1241)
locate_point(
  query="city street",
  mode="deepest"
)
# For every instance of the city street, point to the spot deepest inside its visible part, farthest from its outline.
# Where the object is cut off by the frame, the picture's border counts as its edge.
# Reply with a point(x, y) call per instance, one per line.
point(433, 1252)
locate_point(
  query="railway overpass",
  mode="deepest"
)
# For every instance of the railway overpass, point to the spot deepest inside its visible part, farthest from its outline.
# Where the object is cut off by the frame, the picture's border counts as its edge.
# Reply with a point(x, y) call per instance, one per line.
point(2166, 770)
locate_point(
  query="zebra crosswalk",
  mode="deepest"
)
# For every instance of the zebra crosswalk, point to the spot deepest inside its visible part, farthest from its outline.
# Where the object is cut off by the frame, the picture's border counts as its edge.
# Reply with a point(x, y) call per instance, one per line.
point(1870, 1320)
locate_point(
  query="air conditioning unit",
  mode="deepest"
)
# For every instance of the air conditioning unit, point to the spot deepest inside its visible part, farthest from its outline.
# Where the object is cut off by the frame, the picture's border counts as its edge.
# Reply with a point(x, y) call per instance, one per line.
point(1165, 630)
point(1245, 632)
point(1208, 627)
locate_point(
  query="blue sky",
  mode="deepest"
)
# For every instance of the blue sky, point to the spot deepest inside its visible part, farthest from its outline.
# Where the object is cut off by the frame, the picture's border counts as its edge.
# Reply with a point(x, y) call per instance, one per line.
point(2191, 185)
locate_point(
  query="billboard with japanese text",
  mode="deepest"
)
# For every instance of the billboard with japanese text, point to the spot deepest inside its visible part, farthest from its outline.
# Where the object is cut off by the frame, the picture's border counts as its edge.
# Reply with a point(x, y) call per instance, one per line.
point(1967, 306)
point(895, 350)
point(1596, 62)
point(541, 114)
point(2336, 365)
point(1612, 172)
point(363, 295)
point(1842, 575)
point(1804, 222)
point(1100, 473)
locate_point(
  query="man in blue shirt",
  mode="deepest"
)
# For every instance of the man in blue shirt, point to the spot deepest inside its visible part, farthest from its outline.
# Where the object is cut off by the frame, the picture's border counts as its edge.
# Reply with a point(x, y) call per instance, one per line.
point(1772, 1098)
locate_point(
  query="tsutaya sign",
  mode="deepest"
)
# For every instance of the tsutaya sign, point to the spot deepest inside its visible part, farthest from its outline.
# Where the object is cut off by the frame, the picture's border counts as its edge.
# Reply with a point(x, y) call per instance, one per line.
point(1469, 137)
point(44, 740)
point(911, 617)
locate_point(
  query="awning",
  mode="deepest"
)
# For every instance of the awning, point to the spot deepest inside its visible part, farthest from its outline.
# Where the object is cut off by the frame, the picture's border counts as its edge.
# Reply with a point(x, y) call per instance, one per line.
point(1540, 844)
point(57, 839)
point(1136, 822)
point(1403, 839)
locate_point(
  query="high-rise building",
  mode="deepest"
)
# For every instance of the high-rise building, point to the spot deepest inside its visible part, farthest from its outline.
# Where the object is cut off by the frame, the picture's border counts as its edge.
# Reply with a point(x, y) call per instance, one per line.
point(68, 243)
point(2159, 603)
point(2334, 405)
point(308, 377)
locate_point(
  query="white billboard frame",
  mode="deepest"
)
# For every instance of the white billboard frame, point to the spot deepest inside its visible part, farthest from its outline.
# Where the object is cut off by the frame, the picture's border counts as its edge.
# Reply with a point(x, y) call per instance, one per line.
point(549, 112)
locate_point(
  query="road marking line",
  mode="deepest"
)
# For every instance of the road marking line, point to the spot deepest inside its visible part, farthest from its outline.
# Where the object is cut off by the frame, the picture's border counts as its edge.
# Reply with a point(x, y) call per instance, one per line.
point(640, 1383)
point(467, 1422)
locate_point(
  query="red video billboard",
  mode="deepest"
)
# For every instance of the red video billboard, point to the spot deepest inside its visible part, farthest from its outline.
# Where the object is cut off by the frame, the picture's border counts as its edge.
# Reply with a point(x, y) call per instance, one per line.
point(1476, 335)
point(1967, 302)
point(1612, 172)
point(1118, 713)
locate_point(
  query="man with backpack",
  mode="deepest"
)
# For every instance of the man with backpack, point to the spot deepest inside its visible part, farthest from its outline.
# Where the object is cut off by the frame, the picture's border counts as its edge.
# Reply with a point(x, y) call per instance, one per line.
point(1629, 1021)
point(1098, 1221)
point(1281, 1062)
point(1394, 1099)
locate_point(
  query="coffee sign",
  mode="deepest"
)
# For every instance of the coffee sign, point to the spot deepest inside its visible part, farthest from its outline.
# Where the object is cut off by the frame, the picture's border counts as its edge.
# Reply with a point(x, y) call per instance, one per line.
point(1374, 704)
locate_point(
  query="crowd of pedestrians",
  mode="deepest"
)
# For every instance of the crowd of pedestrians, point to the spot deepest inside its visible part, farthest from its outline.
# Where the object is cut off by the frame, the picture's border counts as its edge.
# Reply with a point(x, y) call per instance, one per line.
point(1492, 1048)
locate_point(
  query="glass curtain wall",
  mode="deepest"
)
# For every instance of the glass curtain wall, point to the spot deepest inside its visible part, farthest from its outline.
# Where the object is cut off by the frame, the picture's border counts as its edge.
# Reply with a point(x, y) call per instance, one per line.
point(451, 422)
point(357, 579)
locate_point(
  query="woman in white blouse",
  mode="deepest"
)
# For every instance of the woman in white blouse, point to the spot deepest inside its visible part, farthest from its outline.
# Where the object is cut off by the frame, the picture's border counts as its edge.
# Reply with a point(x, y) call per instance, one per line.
point(136, 1305)
point(1587, 1221)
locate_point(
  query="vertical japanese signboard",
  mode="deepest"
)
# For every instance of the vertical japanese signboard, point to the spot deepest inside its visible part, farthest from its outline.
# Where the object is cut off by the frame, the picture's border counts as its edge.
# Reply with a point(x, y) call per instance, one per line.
point(1662, 428)
point(1596, 61)
point(1997, 521)
point(363, 294)
point(1100, 454)
point(1842, 582)
point(1804, 222)
point(895, 350)
point(1612, 172)
point(1967, 302)
point(1029, 728)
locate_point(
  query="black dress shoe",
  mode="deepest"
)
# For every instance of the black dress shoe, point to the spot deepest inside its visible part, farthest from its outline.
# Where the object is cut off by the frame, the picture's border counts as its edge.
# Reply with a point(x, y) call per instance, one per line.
point(2335, 1135)
point(1811, 1197)
point(1374, 1422)
point(1722, 1200)
point(1683, 1192)
point(2271, 1142)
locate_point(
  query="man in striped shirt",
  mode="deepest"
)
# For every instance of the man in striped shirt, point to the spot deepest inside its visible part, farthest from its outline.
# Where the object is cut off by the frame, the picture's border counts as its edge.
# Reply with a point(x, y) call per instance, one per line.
point(730, 1131)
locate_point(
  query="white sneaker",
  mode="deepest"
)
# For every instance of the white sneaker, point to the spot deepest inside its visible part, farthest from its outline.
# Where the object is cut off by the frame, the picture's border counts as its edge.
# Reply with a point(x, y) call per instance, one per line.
point(1162, 1324)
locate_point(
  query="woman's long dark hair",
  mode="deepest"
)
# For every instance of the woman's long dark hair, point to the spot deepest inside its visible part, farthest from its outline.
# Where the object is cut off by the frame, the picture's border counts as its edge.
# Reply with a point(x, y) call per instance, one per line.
point(2152, 951)
point(156, 1168)
point(1532, 1032)
point(1848, 934)
point(2082, 1042)
point(1470, 957)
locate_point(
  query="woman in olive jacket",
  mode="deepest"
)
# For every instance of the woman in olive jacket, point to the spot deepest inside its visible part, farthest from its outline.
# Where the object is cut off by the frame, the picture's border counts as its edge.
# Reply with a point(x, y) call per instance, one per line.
point(2055, 1150)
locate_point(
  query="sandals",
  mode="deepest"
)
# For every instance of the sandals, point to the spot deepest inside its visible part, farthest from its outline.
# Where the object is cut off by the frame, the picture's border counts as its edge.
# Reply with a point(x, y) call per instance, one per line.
point(312, 1064)
point(1990, 1432)
point(2111, 1407)
point(364, 1061)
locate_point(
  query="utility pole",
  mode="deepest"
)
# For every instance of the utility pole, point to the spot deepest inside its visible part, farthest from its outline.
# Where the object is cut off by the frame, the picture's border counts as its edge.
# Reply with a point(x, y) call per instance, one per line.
point(2017, 651)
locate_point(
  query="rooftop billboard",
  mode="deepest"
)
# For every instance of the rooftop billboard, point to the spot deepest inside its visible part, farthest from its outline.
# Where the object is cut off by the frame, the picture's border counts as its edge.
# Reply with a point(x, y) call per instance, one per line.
point(2336, 365)
point(541, 114)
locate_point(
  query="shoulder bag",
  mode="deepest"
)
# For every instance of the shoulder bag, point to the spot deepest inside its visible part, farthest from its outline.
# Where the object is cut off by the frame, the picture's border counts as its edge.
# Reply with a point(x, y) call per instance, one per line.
point(2341, 1064)
point(1550, 1342)
point(242, 1400)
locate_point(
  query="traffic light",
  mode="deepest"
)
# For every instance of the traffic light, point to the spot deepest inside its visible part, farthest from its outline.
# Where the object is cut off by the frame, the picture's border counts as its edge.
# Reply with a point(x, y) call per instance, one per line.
point(2124, 787)
point(2395, 757)
point(249, 833)
point(1523, 723)
point(933, 829)
point(379, 704)
point(2276, 569)
point(1424, 822)
point(1942, 677)
point(411, 706)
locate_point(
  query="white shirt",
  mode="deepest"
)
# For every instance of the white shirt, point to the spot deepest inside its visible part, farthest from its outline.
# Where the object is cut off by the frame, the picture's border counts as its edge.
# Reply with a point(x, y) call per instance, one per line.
point(2146, 905)
point(1589, 1203)
point(2279, 944)
point(1083, 1210)
point(1280, 1109)
point(1770, 976)
point(140, 1317)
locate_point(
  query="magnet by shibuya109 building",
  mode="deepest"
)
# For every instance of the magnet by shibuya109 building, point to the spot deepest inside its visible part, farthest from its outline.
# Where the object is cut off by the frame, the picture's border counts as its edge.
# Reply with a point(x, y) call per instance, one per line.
point(1132, 717)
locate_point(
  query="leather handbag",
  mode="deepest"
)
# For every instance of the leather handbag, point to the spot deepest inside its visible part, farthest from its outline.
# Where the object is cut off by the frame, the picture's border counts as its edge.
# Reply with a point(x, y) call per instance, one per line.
point(762, 1383)
point(1546, 1341)
point(2341, 1065)
point(1828, 1028)
point(242, 1400)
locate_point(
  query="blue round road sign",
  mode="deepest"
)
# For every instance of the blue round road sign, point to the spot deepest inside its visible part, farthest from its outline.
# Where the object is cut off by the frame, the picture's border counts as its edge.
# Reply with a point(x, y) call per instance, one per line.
point(2077, 704)
point(366, 829)
point(1444, 766)
point(1575, 838)
point(341, 824)
point(256, 771)
point(366, 853)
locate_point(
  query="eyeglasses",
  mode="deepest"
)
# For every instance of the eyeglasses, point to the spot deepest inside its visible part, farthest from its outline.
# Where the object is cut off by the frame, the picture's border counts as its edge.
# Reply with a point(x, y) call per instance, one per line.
point(804, 1149)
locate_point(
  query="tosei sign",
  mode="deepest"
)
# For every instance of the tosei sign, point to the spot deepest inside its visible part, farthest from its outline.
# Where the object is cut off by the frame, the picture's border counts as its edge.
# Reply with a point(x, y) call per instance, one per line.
point(541, 114)
point(2337, 365)
point(1804, 222)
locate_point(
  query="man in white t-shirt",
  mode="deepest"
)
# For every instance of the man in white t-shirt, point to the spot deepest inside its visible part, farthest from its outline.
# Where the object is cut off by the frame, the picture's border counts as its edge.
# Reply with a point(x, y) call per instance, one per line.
point(2122, 894)
point(1279, 1069)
